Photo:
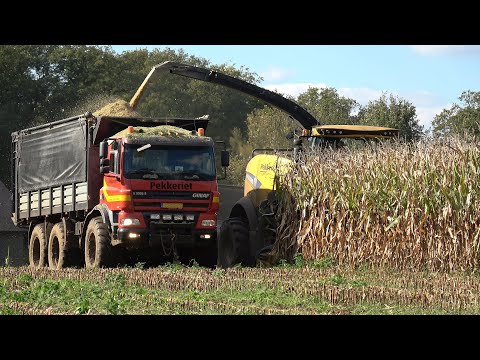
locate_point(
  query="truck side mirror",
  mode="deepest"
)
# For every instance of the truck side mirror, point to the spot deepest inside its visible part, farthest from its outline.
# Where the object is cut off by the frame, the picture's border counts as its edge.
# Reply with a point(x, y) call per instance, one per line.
point(104, 169)
point(225, 158)
point(104, 162)
point(103, 150)
point(104, 166)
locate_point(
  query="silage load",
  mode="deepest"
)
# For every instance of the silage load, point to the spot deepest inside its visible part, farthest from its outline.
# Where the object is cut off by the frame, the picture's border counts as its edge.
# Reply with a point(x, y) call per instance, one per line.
point(119, 108)
point(161, 130)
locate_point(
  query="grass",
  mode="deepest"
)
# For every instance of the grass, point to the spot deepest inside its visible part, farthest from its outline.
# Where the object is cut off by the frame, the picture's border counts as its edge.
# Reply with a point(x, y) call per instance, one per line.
point(294, 289)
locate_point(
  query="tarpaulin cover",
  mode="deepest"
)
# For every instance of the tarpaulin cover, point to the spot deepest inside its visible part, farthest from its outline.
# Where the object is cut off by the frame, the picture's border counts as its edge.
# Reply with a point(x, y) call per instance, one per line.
point(52, 156)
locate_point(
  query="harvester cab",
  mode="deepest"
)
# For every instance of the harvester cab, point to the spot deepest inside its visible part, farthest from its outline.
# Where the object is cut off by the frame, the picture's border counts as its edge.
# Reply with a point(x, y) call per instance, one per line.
point(335, 137)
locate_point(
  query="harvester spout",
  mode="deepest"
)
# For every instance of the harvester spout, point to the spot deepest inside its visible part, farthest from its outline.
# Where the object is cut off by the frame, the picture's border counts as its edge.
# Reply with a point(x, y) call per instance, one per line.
point(138, 95)
point(295, 111)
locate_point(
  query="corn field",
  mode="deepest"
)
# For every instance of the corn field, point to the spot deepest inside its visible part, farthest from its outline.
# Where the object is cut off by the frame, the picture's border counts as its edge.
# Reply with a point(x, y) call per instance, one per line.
point(332, 290)
point(409, 206)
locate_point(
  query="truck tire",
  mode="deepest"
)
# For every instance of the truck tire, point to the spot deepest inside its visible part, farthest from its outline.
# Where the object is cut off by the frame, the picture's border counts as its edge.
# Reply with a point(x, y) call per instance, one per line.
point(38, 246)
point(233, 245)
point(98, 249)
point(62, 248)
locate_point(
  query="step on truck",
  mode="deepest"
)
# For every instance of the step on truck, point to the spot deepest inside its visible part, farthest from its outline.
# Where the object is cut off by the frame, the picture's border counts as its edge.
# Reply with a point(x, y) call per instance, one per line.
point(89, 189)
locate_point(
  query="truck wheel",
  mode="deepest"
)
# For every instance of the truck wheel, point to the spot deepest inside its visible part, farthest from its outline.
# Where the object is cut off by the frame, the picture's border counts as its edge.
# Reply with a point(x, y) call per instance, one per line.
point(62, 248)
point(233, 245)
point(98, 249)
point(38, 246)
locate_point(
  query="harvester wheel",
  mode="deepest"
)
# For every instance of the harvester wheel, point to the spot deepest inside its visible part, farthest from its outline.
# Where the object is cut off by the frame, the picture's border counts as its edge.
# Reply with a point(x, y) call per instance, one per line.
point(63, 250)
point(233, 245)
point(38, 246)
point(98, 249)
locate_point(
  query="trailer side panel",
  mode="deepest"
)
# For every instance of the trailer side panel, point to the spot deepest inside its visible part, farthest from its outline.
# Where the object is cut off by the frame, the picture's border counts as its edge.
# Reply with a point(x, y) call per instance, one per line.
point(52, 156)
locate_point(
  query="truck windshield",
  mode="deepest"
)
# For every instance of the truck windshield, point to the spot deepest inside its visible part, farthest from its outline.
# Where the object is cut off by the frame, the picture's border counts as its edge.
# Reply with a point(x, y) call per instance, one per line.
point(177, 163)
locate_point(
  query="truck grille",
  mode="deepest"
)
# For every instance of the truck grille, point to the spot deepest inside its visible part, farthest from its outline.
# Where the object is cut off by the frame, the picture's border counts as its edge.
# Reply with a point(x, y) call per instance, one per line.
point(180, 195)
point(156, 204)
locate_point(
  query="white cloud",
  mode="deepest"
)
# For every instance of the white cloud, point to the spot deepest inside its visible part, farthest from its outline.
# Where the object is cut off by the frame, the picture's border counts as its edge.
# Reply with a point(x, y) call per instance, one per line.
point(274, 73)
point(427, 104)
point(427, 114)
point(422, 97)
point(361, 95)
point(445, 49)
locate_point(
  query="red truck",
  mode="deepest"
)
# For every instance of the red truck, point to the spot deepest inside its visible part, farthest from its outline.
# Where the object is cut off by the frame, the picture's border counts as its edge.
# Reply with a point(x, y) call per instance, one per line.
point(87, 196)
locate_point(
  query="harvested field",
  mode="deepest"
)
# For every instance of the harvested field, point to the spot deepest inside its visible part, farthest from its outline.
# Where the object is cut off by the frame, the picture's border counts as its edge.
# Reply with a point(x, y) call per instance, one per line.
point(316, 289)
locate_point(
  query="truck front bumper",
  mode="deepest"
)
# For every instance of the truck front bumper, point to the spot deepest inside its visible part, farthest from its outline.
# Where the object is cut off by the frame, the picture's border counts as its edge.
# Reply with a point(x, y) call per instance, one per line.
point(154, 236)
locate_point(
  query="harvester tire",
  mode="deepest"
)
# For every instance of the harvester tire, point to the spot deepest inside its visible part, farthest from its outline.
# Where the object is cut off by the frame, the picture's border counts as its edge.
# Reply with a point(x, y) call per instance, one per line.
point(63, 249)
point(38, 246)
point(233, 245)
point(98, 249)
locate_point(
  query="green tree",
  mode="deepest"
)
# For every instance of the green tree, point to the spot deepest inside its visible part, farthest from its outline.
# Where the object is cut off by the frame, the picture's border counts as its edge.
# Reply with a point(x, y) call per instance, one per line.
point(266, 128)
point(459, 119)
point(328, 106)
point(392, 111)
point(41, 83)
point(44, 83)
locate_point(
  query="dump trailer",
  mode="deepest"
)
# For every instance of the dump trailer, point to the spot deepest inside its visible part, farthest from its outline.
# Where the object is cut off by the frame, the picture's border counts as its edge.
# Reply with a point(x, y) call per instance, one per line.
point(89, 188)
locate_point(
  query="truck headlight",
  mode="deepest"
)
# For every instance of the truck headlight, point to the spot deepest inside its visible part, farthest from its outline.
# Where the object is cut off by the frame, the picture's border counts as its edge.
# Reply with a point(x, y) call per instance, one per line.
point(209, 223)
point(129, 222)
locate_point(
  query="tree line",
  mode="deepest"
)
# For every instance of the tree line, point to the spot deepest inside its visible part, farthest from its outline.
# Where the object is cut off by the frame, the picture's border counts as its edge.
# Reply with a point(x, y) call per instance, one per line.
point(44, 83)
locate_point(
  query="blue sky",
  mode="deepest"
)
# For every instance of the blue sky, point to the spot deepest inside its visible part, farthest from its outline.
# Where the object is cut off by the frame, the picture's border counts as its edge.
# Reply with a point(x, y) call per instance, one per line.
point(431, 77)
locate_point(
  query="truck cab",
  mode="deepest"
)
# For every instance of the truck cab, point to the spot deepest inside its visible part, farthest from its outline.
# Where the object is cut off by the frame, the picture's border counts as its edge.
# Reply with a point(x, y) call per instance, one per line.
point(161, 188)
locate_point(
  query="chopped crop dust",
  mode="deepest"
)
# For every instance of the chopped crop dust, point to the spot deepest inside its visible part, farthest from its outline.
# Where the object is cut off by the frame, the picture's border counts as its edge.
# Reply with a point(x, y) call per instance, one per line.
point(91, 103)
point(103, 105)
